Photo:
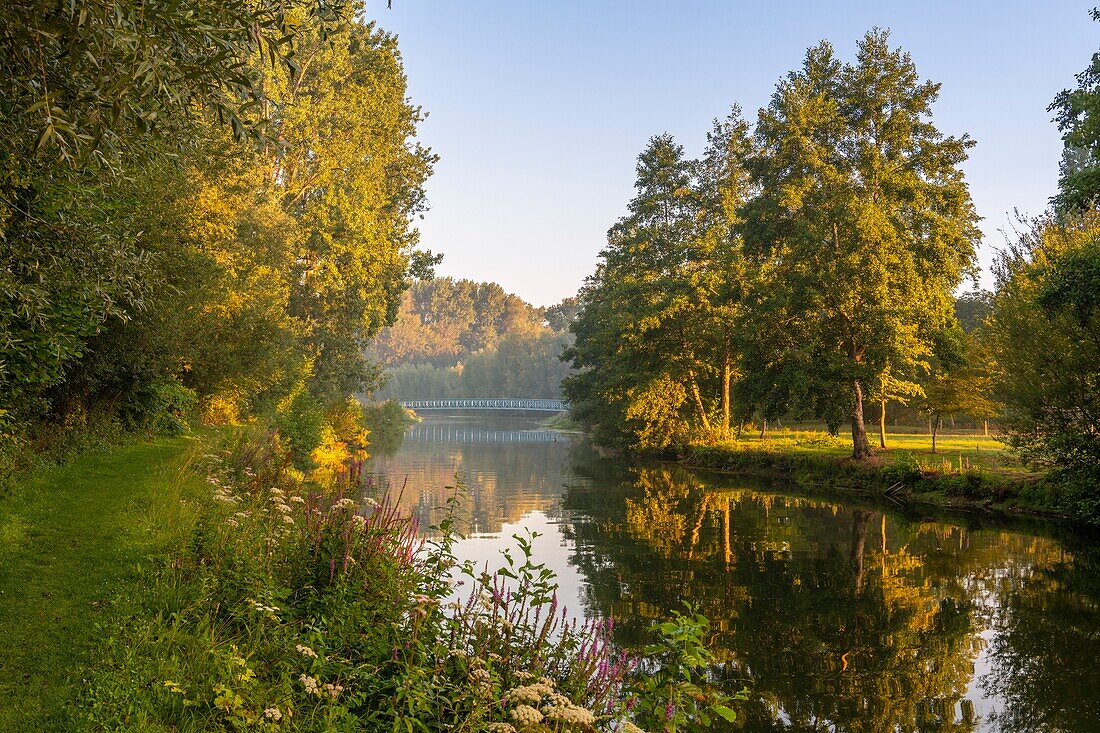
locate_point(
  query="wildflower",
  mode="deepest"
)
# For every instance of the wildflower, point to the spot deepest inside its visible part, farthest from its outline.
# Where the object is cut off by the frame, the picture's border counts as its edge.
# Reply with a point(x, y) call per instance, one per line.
point(423, 600)
point(523, 675)
point(346, 504)
point(273, 714)
point(360, 521)
point(457, 653)
point(276, 491)
point(526, 715)
point(232, 522)
point(296, 500)
point(313, 687)
point(559, 700)
point(570, 714)
point(480, 676)
point(305, 651)
point(531, 694)
point(175, 687)
point(263, 607)
point(501, 728)
point(628, 727)
point(333, 690)
point(372, 503)
point(546, 681)
point(287, 519)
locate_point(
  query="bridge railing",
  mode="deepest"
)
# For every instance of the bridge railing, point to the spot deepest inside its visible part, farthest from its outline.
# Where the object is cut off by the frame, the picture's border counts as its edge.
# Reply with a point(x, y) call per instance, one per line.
point(487, 403)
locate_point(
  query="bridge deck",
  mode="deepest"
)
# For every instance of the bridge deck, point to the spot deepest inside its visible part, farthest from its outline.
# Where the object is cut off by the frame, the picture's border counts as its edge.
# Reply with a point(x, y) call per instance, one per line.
point(487, 403)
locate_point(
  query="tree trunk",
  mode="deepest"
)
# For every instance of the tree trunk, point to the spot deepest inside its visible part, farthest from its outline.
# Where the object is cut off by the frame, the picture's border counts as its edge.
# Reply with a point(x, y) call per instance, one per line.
point(699, 407)
point(935, 429)
point(860, 521)
point(882, 425)
point(763, 427)
point(740, 428)
point(861, 448)
point(985, 428)
point(727, 373)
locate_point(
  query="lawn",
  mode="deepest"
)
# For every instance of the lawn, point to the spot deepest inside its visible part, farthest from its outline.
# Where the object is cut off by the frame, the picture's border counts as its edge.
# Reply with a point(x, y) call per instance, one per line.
point(956, 452)
point(72, 542)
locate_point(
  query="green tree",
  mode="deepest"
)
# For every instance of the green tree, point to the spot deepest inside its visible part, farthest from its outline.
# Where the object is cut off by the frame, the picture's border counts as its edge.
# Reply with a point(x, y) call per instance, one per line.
point(1045, 332)
point(1077, 113)
point(629, 340)
point(863, 227)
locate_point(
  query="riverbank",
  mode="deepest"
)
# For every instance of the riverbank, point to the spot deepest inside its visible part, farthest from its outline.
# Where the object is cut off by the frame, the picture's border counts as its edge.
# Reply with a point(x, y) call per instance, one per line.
point(200, 584)
point(968, 471)
point(75, 542)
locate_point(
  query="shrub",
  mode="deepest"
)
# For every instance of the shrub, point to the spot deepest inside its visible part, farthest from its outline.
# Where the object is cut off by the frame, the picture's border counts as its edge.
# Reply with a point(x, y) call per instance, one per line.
point(296, 610)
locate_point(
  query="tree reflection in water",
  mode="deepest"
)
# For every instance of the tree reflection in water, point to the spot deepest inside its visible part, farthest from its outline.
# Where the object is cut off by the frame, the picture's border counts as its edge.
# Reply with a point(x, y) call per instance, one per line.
point(835, 628)
point(838, 616)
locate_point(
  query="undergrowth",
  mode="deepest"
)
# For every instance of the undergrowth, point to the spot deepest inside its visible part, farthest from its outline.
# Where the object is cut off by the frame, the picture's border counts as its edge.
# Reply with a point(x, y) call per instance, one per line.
point(294, 609)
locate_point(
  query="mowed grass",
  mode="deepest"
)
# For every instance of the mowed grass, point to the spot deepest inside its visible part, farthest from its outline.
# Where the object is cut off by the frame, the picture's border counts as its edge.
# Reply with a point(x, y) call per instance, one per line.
point(73, 541)
point(955, 452)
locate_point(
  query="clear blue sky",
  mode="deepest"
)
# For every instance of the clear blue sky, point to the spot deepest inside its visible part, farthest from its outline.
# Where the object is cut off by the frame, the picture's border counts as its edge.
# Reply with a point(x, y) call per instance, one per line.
point(540, 107)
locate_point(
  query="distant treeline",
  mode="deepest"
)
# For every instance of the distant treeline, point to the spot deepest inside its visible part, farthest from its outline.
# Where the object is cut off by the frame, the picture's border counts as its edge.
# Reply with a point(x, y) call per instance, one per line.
point(459, 338)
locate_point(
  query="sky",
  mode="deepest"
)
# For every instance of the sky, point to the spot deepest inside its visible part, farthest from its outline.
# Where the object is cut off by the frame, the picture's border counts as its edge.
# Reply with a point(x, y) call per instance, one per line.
point(539, 108)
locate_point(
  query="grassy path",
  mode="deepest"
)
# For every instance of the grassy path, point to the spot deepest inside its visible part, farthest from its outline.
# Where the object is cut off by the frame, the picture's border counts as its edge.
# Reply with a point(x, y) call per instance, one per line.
point(72, 540)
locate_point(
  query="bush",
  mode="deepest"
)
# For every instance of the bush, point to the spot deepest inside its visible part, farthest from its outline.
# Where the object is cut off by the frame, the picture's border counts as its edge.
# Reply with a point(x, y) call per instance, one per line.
point(294, 610)
point(301, 424)
point(161, 407)
point(904, 469)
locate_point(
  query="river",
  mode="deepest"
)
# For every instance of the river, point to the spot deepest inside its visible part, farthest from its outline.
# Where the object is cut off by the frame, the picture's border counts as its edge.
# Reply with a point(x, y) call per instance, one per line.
point(839, 614)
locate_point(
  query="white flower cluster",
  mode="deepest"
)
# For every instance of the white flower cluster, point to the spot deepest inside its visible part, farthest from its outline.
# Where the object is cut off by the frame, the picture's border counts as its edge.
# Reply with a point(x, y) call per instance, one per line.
point(273, 714)
point(628, 727)
point(569, 714)
point(526, 715)
point(313, 687)
point(305, 651)
point(528, 694)
point(501, 728)
point(346, 503)
point(263, 607)
point(333, 690)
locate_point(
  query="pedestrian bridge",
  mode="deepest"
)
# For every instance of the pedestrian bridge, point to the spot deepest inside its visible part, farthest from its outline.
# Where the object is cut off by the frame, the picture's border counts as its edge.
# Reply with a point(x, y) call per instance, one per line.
point(488, 403)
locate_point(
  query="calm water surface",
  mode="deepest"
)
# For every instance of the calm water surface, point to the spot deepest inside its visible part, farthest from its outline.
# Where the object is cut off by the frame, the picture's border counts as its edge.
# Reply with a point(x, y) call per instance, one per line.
point(838, 615)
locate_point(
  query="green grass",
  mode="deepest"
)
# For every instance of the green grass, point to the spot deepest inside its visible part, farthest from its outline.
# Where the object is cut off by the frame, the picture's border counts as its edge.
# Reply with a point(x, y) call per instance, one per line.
point(967, 470)
point(955, 452)
point(73, 540)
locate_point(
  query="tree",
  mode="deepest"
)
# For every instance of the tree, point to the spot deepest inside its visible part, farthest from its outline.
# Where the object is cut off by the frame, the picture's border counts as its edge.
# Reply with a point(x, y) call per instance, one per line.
point(965, 391)
point(627, 343)
point(1045, 331)
point(863, 226)
point(1077, 113)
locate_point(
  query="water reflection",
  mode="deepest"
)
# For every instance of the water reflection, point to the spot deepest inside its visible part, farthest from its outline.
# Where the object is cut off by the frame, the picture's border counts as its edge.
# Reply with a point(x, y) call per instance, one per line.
point(840, 616)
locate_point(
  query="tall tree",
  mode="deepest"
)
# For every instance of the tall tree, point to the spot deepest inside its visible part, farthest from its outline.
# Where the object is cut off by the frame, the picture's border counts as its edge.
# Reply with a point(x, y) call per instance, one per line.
point(1045, 331)
point(864, 222)
point(628, 350)
point(1077, 113)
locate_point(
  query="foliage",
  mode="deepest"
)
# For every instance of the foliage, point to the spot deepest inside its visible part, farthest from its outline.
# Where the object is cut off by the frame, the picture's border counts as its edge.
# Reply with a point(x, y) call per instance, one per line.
point(673, 697)
point(1077, 113)
point(386, 423)
point(292, 609)
point(1044, 330)
point(862, 229)
point(658, 318)
point(146, 246)
point(458, 338)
